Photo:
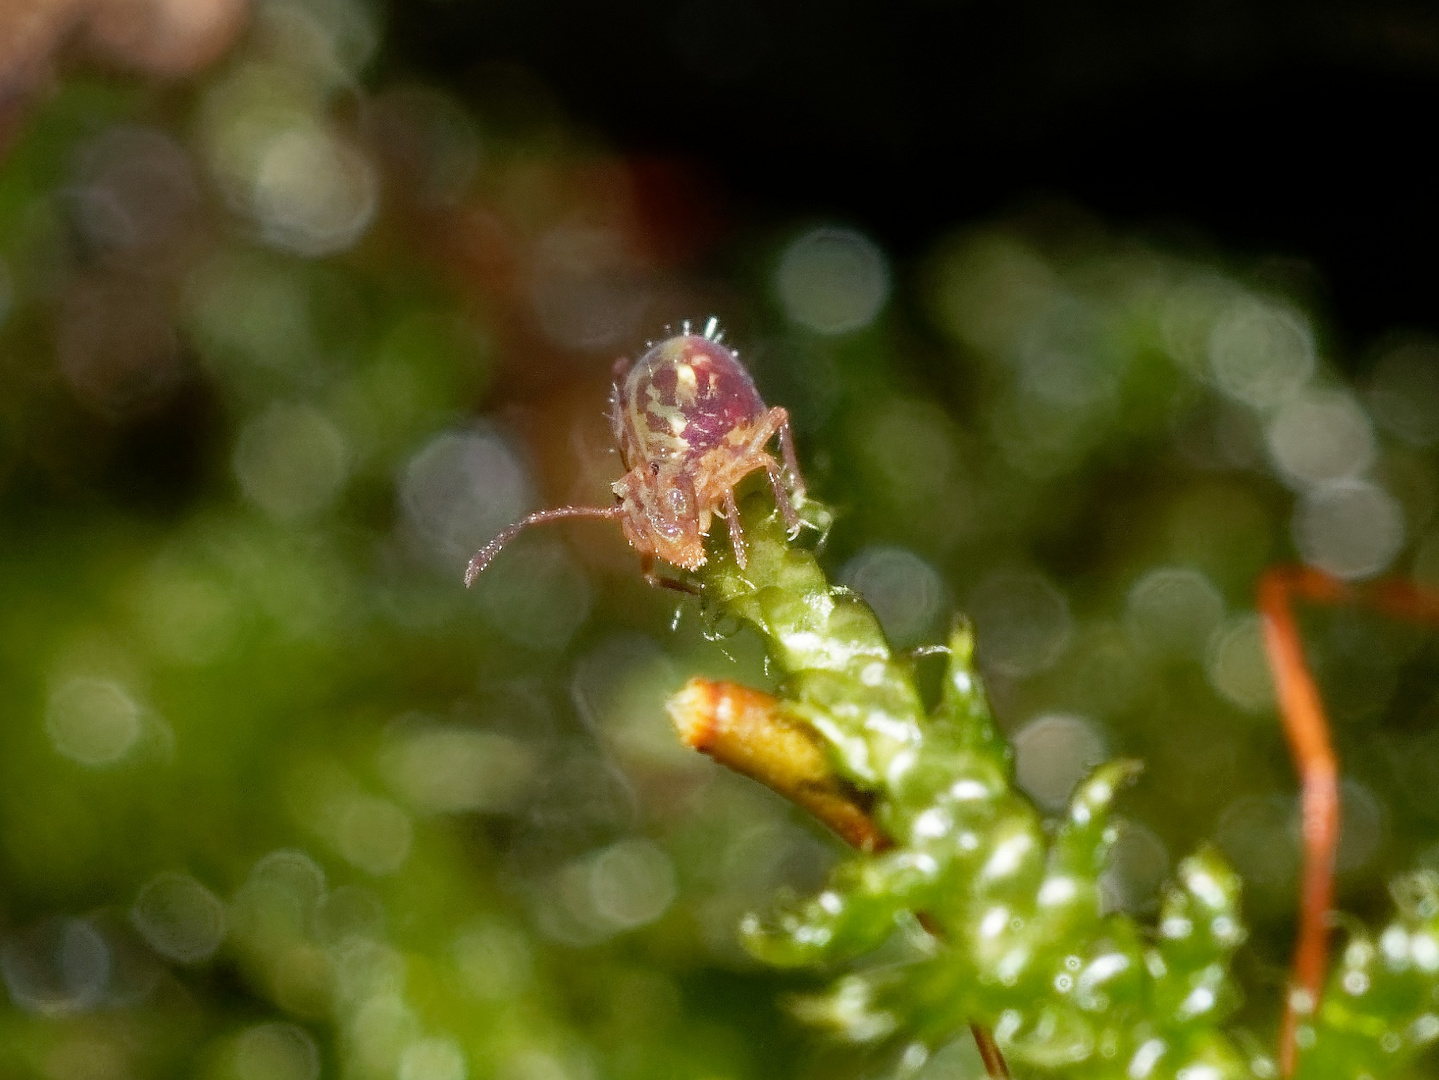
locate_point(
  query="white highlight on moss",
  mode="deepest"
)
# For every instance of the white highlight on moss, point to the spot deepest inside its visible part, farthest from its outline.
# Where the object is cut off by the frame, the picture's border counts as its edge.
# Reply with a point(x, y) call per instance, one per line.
point(1204, 885)
point(1057, 890)
point(1011, 965)
point(892, 727)
point(1008, 856)
point(921, 862)
point(1010, 1021)
point(1103, 968)
point(1425, 951)
point(994, 921)
point(822, 649)
point(1425, 1029)
point(1176, 927)
point(933, 823)
point(1199, 1000)
point(969, 791)
point(817, 936)
point(1226, 930)
point(1358, 953)
point(1141, 1066)
point(1394, 944)
point(850, 1009)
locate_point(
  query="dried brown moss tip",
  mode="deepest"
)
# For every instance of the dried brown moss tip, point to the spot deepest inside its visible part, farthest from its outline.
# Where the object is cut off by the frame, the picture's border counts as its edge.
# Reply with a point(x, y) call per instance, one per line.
point(749, 732)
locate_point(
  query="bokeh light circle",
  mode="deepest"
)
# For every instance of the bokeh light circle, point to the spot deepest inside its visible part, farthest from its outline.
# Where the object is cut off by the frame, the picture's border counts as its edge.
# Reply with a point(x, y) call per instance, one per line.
point(433, 1059)
point(1404, 391)
point(93, 721)
point(460, 489)
point(1022, 621)
point(1351, 528)
point(313, 193)
point(1260, 353)
point(290, 461)
point(57, 967)
point(276, 1051)
point(1053, 753)
point(833, 280)
point(1318, 437)
point(180, 918)
point(905, 591)
point(1172, 611)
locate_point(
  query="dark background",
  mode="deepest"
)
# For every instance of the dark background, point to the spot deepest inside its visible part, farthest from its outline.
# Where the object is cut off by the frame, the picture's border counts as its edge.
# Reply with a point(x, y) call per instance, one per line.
point(1289, 128)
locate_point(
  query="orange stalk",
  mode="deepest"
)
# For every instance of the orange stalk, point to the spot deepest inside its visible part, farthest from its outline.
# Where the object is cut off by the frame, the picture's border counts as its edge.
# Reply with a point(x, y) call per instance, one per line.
point(1307, 730)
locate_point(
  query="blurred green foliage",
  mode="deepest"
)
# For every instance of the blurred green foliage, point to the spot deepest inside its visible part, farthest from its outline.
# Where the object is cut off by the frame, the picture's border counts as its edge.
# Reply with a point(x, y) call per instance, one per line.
point(278, 798)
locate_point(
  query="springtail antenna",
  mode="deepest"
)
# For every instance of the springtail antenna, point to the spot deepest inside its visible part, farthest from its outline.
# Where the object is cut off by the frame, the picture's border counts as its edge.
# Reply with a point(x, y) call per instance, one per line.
point(486, 554)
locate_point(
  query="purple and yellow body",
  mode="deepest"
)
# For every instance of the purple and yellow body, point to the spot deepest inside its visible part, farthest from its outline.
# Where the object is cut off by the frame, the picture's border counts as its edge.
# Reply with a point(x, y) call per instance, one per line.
point(689, 425)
